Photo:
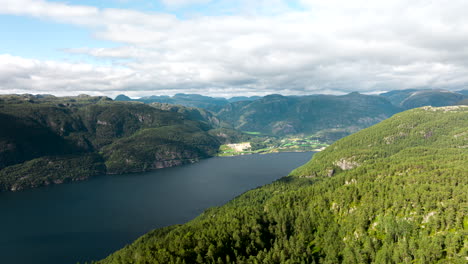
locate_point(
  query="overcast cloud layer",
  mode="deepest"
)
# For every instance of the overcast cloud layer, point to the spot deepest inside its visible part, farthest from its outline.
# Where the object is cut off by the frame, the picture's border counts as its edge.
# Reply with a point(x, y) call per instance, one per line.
point(327, 46)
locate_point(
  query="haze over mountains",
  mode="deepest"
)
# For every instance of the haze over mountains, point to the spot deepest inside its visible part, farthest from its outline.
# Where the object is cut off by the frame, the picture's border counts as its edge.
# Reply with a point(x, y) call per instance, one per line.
point(413, 98)
point(190, 100)
point(43, 135)
point(282, 115)
point(409, 98)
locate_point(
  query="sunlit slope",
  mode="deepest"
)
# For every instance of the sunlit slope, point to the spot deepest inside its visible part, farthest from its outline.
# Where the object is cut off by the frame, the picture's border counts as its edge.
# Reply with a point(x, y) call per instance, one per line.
point(392, 193)
point(426, 129)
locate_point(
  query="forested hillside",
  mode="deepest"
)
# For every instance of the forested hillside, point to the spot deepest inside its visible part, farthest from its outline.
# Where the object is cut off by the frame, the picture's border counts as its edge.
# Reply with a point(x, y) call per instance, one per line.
point(47, 139)
point(412, 98)
point(283, 115)
point(392, 193)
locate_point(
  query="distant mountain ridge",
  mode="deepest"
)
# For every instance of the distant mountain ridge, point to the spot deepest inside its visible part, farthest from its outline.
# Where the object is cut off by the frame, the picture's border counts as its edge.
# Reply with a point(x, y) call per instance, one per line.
point(281, 115)
point(464, 92)
point(335, 116)
point(413, 98)
point(189, 100)
point(100, 135)
point(391, 193)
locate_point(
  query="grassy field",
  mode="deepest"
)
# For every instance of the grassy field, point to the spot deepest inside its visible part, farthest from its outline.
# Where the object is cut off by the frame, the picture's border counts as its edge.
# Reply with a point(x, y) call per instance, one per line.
point(252, 133)
point(289, 144)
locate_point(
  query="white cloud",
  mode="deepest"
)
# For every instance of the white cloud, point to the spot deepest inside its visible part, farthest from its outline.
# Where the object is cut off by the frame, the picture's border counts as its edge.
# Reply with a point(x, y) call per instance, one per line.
point(331, 46)
point(179, 3)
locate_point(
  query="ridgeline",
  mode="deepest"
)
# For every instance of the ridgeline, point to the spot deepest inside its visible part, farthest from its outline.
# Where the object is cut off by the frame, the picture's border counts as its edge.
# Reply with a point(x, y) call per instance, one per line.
point(48, 140)
point(391, 193)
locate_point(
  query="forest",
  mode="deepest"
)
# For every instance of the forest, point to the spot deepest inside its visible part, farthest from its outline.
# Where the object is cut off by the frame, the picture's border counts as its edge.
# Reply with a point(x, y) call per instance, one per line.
point(391, 193)
point(49, 140)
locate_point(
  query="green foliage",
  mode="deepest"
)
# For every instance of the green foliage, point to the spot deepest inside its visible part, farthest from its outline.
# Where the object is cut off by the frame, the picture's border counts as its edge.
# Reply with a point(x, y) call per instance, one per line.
point(124, 136)
point(252, 133)
point(286, 115)
point(412, 98)
point(228, 135)
point(401, 199)
point(435, 128)
point(192, 113)
point(160, 147)
point(270, 144)
point(51, 170)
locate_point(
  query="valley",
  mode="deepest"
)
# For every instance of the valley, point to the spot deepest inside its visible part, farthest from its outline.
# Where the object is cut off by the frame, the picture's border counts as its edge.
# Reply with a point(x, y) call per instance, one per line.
point(46, 137)
point(346, 187)
point(233, 132)
point(273, 145)
point(391, 193)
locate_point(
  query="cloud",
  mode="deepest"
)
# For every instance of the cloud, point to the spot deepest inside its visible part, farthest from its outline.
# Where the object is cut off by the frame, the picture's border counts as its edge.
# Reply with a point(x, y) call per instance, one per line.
point(179, 3)
point(331, 46)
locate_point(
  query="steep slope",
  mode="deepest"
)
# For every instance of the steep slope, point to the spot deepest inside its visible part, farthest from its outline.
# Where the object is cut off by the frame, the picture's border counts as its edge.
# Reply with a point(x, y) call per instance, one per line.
point(392, 193)
point(281, 115)
point(160, 147)
point(47, 140)
point(464, 92)
point(398, 96)
point(193, 113)
point(409, 99)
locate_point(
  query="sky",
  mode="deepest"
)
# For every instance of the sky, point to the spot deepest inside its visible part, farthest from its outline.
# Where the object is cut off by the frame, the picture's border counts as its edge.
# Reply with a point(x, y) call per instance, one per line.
point(231, 47)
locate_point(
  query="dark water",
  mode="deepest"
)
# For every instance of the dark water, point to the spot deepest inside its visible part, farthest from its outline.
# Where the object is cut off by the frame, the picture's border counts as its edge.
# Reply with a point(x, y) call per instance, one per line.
point(89, 220)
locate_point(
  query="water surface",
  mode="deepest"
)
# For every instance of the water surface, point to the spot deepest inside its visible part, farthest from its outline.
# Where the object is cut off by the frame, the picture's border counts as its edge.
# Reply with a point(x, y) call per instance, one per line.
point(85, 221)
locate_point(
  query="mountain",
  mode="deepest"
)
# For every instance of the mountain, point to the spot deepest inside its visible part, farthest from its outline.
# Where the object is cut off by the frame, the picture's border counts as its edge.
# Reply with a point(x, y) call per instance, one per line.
point(409, 99)
point(391, 193)
point(464, 92)
point(123, 97)
point(283, 115)
point(46, 139)
point(398, 96)
point(243, 98)
point(325, 117)
point(188, 100)
point(194, 113)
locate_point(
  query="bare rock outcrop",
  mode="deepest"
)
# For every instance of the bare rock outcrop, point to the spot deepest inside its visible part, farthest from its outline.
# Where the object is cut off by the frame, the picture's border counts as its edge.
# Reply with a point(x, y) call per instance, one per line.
point(346, 164)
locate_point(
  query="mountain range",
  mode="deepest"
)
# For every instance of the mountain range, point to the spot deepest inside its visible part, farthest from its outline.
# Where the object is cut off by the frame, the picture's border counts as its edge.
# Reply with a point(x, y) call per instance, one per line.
point(408, 99)
point(43, 136)
point(394, 192)
point(282, 115)
point(328, 117)
point(391, 193)
point(189, 100)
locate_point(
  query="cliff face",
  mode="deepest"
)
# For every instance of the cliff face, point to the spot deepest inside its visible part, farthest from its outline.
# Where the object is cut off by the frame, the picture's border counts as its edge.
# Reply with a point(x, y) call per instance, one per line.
point(47, 140)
